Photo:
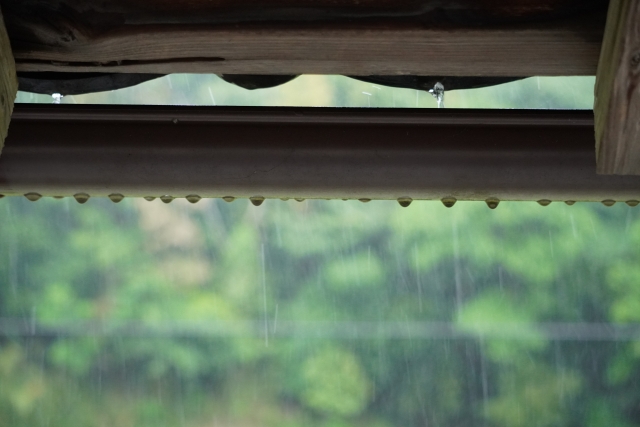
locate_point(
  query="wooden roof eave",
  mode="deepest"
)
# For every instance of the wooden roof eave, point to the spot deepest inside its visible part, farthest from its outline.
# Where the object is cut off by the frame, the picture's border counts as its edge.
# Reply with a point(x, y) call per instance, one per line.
point(374, 37)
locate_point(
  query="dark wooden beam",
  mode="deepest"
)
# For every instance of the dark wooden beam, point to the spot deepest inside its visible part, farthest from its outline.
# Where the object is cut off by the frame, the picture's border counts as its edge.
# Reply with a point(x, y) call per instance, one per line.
point(404, 155)
point(376, 37)
point(617, 107)
point(568, 49)
point(8, 82)
point(106, 14)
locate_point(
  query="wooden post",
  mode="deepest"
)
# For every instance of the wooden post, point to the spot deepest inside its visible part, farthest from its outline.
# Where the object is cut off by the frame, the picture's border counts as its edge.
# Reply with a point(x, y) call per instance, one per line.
point(617, 105)
point(8, 82)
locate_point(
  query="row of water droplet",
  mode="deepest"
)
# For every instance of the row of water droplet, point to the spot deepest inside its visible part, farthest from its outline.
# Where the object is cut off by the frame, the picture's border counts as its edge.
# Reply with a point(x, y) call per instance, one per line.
point(492, 203)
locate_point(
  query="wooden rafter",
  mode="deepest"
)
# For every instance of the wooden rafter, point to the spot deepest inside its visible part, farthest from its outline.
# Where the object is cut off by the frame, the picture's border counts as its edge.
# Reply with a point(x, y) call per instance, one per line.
point(8, 82)
point(374, 37)
point(617, 107)
point(522, 51)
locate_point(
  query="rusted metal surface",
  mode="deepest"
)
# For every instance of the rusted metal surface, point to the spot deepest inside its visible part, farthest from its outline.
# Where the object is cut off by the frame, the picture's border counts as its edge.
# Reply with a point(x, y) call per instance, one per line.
point(66, 150)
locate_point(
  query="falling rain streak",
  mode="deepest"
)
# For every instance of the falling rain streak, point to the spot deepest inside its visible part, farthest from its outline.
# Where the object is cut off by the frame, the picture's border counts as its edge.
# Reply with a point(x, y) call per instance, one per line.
point(264, 296)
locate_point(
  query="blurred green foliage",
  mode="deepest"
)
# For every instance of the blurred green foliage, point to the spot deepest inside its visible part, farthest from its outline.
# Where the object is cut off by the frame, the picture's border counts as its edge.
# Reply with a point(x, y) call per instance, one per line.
point(339, 91)
point(335, 383)
point(321, 313)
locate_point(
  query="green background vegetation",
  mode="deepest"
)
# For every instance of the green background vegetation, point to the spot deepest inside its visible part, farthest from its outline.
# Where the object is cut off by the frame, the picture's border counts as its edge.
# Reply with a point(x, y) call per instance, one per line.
point(338, 91)
point(321, 313)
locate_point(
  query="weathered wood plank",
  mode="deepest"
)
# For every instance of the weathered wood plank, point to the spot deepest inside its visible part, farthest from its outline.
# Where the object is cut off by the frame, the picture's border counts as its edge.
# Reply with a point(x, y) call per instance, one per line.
point(523, 50)
point(353, 37)
point(8, 82)
point(617, 106)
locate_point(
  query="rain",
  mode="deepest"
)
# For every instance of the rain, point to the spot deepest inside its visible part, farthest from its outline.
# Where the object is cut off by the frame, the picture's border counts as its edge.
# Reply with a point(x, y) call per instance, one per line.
point(187, 311)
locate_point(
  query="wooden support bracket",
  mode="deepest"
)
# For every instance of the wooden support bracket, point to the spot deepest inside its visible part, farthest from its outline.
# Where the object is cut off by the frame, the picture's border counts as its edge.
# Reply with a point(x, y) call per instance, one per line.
point(8, 82)
point(617, 105)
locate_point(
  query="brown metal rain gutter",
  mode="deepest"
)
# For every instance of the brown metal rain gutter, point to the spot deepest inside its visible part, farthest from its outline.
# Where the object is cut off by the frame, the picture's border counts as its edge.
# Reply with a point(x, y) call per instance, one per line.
point(65, 150)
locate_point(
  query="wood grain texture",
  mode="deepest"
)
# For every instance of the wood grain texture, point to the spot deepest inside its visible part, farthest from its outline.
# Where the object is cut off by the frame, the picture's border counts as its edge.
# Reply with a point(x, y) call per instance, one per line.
point(352, 37)
point(8, 82)
point(617, 106)
point(522, 50)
